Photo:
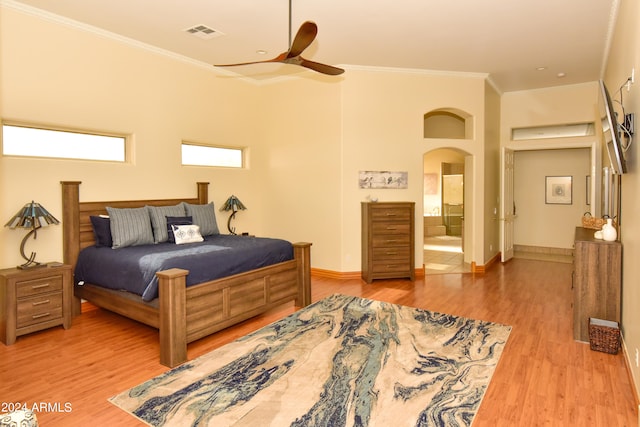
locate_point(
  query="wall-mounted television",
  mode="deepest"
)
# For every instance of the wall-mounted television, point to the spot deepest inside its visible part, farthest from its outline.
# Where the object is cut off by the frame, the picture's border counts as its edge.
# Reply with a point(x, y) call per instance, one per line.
point(611, 131)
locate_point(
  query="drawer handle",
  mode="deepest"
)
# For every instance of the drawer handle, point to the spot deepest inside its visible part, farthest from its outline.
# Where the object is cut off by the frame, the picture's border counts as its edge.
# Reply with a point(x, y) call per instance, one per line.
point(392, 253)
point(38, 316)
point(45, 285)
point(41, 302)
point(392, 228)
point(391, 214)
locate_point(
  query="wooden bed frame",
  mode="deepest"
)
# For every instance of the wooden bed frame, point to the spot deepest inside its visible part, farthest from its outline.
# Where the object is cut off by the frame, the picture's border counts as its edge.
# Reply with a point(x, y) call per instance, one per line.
point(183, 314)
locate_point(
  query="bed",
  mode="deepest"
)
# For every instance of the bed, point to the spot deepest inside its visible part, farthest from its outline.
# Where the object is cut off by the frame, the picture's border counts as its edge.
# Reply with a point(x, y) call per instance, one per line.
point(182, 313)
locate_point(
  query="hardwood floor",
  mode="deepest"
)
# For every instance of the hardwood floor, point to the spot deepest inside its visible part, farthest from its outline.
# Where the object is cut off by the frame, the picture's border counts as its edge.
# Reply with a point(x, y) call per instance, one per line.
point(543, 378)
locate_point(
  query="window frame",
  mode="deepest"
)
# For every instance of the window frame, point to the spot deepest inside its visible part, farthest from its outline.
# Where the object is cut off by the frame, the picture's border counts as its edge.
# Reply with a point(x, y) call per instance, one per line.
point(243, 151)
point(126, 138)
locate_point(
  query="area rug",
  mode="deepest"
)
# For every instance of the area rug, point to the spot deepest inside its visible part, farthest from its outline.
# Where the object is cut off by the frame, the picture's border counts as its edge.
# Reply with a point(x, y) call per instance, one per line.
point(342, 361)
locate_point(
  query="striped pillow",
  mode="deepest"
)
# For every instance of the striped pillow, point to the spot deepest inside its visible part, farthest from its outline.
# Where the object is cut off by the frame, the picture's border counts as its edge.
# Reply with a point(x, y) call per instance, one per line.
point(159, 216)
point(130, 227)
point(204, 216)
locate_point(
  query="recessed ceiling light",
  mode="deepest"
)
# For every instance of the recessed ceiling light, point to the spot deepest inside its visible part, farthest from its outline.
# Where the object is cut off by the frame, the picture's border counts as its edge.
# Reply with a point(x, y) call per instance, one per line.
point(561, 75)
point(261, 52)
point(541, 68)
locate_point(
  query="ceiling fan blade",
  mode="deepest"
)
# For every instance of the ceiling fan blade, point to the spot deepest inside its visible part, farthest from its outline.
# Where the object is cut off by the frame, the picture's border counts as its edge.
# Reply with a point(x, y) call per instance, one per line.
point(321, 68)
point(304, 37)
point(279, 58)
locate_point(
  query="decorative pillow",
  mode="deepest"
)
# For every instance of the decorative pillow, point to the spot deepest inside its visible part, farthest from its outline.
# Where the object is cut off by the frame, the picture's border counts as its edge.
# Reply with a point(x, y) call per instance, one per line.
point(176, 220)
point(130, 227)
point(102, 230)
point(187, 234)
point(204, 216)
point(158, 216)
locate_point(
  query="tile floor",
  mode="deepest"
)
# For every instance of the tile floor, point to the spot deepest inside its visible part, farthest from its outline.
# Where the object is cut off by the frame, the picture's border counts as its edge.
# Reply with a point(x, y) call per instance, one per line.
point(443, 254)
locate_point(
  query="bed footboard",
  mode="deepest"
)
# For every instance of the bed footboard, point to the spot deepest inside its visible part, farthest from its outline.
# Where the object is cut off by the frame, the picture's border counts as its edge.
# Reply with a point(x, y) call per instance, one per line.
point(188, 314)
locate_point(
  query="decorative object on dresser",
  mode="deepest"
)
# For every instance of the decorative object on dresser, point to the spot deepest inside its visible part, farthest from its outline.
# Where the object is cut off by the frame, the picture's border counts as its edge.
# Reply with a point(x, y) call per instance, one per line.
point(388, 240)
point(232, 204)
point(34, 299)
point(596, 283)
point(32, 217)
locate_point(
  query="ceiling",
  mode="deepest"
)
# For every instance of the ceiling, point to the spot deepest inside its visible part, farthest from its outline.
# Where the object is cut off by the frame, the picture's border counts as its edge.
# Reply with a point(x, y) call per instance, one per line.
point(518, 44)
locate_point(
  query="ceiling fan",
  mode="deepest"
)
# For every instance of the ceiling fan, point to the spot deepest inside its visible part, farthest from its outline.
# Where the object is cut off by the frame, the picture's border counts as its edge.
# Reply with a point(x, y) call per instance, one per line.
point(304, 37)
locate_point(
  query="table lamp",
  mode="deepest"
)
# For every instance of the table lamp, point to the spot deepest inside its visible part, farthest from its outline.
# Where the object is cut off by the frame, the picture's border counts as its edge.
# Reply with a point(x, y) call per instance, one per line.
point(32, 216)
point(232, 204)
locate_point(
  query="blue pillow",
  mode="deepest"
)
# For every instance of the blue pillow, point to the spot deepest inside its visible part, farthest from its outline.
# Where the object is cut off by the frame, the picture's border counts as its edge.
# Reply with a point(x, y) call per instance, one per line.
point(158, 223)
point(176, 220)
point(102, 230)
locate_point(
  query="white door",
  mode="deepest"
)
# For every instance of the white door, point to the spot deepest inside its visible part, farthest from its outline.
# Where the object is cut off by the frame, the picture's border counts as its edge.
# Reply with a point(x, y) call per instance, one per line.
point(507, 208)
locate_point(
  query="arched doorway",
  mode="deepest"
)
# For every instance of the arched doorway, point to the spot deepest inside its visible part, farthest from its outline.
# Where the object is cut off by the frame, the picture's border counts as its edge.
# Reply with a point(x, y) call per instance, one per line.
point(445, 203)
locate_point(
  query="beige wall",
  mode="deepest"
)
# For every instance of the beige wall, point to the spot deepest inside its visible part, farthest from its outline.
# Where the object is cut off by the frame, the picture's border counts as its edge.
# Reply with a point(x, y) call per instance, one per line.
point(538, 223)
point(549, 106)
point(492, 173)
point(625, 55)
point(382, 129)
point(55, 74)
point(308, 136)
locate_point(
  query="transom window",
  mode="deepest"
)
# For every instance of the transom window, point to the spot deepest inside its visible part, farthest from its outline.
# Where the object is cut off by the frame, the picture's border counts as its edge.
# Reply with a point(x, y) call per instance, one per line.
point(33, 141)
point(209, 155)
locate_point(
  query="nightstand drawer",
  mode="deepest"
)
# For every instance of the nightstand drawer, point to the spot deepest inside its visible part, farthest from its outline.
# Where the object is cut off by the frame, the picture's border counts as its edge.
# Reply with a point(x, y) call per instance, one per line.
point(39, 309)
point(42, 285)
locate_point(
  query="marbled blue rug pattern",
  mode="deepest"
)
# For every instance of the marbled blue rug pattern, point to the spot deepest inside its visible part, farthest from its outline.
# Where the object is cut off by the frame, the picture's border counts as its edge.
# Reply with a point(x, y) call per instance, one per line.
point(342, 361)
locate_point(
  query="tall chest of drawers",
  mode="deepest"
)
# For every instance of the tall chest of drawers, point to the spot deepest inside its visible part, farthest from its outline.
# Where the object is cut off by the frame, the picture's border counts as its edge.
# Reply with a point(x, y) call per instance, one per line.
point(388, 249)
point(34, 299)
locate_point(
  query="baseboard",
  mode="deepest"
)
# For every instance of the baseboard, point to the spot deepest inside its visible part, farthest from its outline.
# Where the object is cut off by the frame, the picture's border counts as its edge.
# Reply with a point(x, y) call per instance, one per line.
point(543, 250)
point(349, 275)
point(628, 365)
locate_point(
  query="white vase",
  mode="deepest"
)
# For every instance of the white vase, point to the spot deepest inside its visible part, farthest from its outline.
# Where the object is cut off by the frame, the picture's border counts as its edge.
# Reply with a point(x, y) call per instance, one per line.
point(609, 232)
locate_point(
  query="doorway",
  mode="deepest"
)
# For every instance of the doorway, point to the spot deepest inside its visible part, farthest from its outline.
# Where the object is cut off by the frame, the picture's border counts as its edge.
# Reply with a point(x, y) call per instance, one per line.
point(444, 176)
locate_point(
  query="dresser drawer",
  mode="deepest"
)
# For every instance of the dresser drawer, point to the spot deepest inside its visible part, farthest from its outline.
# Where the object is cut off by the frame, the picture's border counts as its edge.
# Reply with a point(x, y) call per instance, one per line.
point(391, 267)
point(391, 253)
point(385, 214)
point(391, 240)
point(388, 227)
point(42, 285)
point(39, 309)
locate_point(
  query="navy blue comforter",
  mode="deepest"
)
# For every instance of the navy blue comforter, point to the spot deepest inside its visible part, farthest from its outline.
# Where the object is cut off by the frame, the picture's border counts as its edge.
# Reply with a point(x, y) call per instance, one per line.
point(134, 268)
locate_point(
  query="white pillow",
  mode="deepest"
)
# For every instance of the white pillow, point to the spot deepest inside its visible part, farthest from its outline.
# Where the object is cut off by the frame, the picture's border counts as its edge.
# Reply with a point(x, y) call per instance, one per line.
point(187, 233)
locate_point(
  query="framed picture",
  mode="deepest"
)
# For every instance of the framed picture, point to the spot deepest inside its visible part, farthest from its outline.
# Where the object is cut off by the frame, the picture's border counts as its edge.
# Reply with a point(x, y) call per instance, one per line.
point(383, 179)
point(558, 190)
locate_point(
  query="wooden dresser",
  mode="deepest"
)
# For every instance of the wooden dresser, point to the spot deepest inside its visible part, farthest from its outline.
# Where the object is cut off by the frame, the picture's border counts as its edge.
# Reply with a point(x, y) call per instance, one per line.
point(388, 249)
point(34, 299)
point(597, 280)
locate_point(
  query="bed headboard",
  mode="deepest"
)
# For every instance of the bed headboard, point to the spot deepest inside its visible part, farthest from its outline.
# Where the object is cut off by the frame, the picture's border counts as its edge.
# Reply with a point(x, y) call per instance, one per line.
point(77, 232)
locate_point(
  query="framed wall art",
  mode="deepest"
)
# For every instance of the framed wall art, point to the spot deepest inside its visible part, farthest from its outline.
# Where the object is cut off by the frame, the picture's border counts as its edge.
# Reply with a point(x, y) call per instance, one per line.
point(383, 179)
point(558, 190)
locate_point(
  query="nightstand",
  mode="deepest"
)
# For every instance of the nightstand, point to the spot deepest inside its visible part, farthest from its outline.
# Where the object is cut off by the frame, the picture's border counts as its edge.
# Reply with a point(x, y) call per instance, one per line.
point(34, 299)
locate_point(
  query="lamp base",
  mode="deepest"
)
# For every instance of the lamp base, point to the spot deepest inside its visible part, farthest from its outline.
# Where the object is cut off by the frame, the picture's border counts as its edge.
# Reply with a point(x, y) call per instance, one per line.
point(29, 266)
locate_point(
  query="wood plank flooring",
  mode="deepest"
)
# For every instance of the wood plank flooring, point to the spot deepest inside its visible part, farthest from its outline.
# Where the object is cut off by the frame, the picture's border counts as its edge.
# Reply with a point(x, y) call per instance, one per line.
point(543, 378)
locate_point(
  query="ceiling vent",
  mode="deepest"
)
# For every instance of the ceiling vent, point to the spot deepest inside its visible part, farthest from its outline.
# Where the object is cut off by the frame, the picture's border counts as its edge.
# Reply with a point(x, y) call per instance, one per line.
point(204, 32)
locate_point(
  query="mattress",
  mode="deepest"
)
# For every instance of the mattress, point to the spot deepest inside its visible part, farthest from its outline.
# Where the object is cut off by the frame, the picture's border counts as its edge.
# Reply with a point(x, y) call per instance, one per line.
point(134, 268)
